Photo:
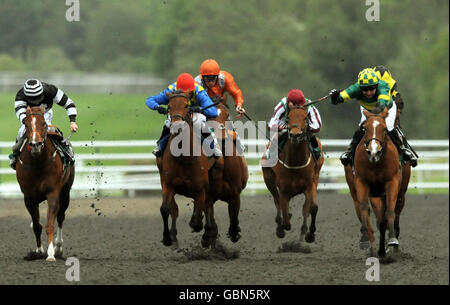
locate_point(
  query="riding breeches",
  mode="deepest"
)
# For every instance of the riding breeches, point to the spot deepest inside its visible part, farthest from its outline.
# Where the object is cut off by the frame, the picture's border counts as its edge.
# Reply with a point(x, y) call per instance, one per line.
point(48, 116)
point(390, 120)
point(198, 121)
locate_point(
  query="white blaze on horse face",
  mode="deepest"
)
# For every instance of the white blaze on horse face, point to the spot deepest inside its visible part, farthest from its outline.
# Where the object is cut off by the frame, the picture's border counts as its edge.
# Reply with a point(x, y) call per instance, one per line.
point(218, 112)
point(373, 144)
point(33, 128)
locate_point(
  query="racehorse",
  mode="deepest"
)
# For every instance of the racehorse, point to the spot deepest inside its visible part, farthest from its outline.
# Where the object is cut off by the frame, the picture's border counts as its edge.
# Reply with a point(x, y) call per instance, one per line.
point(42, 176)
point(295, 173)
point(186, 173)
point(228, 186)
point(380, 178)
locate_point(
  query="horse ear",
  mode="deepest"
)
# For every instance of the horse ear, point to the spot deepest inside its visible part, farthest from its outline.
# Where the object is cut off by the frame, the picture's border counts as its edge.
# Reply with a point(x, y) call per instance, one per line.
point(290, 105)
point(367, 114)
point(43, 108)
point(385, 113)
point(28, 110)
point(188, 92)
point(168, 94)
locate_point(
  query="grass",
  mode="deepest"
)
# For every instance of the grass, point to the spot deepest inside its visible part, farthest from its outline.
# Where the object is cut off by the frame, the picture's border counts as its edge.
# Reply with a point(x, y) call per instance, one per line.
point(100, 117)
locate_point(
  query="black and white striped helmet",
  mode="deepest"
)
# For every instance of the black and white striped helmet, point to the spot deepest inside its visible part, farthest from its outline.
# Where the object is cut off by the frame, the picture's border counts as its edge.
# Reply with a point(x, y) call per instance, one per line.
point(33, 88)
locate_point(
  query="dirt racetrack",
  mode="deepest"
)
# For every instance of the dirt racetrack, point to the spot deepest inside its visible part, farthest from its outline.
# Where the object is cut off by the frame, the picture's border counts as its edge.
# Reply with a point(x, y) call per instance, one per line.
point(117, 241)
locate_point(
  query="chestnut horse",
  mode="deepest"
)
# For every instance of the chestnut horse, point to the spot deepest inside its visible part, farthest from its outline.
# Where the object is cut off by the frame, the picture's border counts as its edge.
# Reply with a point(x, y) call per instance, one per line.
point(295, 173)
point(183, 172)
point(378, 177)
point(41, 177)
point(228, 186)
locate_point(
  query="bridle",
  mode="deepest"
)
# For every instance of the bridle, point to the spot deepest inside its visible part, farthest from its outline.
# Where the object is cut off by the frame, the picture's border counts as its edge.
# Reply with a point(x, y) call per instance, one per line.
point(303, 130)
point(187, 117)
point(382, 142)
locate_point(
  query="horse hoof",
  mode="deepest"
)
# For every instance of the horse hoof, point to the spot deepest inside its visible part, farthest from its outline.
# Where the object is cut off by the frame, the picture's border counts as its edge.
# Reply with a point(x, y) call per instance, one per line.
point(235, 237)
point(32, 255)
point(280, 232)
point(310, 238)
point(287, 227)
point(205, 242)
point(393, 242)
point(363, 245)
point(51, 259)
point(167, 242)
point(59, 254)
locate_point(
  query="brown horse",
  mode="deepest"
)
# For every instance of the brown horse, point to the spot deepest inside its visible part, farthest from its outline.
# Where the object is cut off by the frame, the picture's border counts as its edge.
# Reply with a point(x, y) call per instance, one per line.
point(295, 173)
point(378, 177)
point(183, 172)
point(41, 177)
point(228, 186)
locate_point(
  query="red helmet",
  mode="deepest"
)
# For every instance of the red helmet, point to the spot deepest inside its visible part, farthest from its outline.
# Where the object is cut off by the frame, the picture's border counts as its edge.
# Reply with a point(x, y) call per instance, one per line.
point(209, 67)
point(296, 97)
point(185, 82)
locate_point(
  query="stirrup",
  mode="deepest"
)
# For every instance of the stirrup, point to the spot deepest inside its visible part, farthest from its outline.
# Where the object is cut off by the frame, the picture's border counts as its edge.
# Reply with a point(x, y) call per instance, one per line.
point(12, 162)
point(156, 152)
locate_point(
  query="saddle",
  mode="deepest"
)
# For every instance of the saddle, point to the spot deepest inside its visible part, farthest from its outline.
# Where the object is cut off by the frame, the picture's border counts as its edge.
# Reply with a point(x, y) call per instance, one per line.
point(63, 146)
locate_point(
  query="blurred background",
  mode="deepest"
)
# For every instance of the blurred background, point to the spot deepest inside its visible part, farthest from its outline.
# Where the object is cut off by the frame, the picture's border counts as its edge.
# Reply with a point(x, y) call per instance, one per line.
point(120, 52)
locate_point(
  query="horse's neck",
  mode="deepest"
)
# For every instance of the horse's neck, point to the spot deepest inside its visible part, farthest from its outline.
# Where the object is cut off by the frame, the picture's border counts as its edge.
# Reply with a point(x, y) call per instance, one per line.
point(296, 154)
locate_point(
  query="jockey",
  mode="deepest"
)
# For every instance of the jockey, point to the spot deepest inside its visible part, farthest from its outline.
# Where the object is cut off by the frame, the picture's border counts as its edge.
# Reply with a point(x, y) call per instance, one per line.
point(371, 92)
point(278, 121)
point(36, 93)
point(198, 98)
point(217, 82)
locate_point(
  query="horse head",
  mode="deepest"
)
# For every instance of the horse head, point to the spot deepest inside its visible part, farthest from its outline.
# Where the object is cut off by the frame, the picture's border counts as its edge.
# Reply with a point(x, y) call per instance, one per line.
point(36, 129)
point(297, 123)
point(375, 136)
point(179, 111)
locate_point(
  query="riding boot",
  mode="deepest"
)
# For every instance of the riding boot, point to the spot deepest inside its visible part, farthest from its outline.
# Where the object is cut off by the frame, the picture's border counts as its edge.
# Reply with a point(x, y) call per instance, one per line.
point(347, 156)
point(273, 150)
point(314, 147)
point(407, 154)
point(16, 151)
point(158, 151)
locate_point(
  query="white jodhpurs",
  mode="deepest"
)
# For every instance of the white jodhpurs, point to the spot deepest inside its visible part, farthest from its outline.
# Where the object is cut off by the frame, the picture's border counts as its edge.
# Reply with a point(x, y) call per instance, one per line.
point(390, 120)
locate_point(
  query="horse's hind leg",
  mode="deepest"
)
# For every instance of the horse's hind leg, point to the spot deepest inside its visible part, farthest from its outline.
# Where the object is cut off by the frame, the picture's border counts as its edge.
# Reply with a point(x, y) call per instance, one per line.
point(52, 211)
point(33, 209)
point(233, 212)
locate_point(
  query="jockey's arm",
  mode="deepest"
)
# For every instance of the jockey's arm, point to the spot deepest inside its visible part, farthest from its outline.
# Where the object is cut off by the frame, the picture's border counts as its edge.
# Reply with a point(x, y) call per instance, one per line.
point(60, 98)
point(315, 121)
point(232, 88)
point(384, 96)
point(204, 101)
point(153, 102)
point(274, 123)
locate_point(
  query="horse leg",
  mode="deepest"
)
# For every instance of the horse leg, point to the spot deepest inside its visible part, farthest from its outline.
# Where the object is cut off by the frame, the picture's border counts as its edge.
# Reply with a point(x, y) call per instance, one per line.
point(33, 209)
point(234, 205)
point(196, 222)
point(210, 235)
point(310, 207)
point(391, 200)
point(362, 192)
point(64, 199)
point(173, 207)
point(382, 245)
point(285, 223)
point(269, 179)
point(52, 211)
point(168, 195)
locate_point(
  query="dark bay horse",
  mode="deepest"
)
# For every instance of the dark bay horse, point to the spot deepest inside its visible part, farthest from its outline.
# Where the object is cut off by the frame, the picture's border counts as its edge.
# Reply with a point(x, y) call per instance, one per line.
point(379, 178)
point(228, 186)
point(41, 177)
point(183, 172)
point(295, 173)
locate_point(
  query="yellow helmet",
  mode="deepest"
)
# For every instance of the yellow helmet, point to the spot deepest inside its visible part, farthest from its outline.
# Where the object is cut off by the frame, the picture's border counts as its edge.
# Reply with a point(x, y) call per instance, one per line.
point(367, 77)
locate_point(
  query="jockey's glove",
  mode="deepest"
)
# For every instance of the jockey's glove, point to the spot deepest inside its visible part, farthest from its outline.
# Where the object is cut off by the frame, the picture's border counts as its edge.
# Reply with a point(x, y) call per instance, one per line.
point(161, 110)
point(334, 94)
point(195, 109)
